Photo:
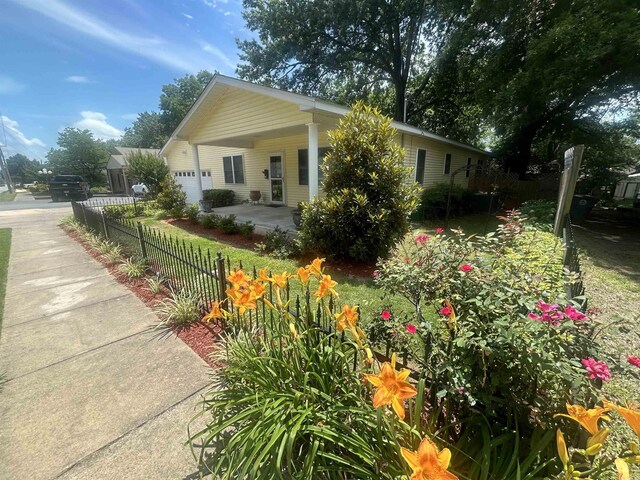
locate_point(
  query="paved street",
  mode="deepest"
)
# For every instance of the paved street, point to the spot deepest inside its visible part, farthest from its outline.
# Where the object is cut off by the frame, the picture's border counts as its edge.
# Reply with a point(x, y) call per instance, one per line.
point(91, 392)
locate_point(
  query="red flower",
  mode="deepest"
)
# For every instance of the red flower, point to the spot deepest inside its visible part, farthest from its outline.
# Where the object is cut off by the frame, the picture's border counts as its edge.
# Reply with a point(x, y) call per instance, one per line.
point(411, 328)
point(596, 369)
point(385, 315)
point(376, 273)
point(573, 314)
point(635, 361)
point(439, 230)
point(445, 311)
point(422, 239)
point(466, 267)
point(406, 260)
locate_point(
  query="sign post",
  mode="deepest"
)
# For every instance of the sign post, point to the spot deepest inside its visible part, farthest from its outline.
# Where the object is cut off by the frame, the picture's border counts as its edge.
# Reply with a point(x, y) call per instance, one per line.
point(572, 161)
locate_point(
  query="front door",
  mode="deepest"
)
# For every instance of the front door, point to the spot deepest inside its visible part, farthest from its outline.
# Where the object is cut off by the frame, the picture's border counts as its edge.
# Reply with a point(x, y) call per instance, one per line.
point(276, 175)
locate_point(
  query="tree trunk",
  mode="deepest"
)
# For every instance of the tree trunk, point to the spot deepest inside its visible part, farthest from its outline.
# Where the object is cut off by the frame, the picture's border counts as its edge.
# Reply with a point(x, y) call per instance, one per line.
point(400, 88)
point(519, 159)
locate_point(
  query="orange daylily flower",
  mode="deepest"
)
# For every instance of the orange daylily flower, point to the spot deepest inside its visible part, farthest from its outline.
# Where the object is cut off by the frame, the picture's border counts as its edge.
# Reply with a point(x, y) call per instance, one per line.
point(238, 277)
point(257, 289)
point(631, 414)
point(347, 319)
point(392, 387)
point(428, 463)
point(263, 275)
point(587, 418)
point(215, 312)
point(244, 301)
point(280, 280)
point(315, 267)
point(326, 287)
point(303, 275)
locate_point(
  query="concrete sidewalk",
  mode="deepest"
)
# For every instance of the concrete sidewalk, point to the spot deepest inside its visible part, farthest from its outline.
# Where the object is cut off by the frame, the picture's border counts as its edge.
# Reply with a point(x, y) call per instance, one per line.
point(91, 392)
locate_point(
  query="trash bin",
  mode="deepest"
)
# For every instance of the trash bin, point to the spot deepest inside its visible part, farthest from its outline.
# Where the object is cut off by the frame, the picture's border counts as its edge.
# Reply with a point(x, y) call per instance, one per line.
point(581, 206)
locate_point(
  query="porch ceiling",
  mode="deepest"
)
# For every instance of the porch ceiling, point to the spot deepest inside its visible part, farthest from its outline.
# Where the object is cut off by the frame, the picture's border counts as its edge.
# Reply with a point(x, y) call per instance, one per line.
point(248, 140)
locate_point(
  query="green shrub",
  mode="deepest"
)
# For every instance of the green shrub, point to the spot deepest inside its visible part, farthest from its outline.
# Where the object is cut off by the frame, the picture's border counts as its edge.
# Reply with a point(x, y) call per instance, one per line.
point(229, 225)
point(99, 189)
point(278, 244)
point(147, 168)
point(539, 214)
point(219, 197)
point(246, 228)
point(171, 198)
point(191, 212)
point(368, 198)
point(210, 220)
point(433, 201)
point(161, 214)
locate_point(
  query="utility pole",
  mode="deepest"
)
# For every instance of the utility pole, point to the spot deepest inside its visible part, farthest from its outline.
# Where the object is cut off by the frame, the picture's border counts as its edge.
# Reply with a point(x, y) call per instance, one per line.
point(5, 173)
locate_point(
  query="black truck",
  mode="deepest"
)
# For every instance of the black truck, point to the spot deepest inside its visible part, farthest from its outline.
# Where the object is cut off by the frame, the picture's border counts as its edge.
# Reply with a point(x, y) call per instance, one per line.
point(69, 187)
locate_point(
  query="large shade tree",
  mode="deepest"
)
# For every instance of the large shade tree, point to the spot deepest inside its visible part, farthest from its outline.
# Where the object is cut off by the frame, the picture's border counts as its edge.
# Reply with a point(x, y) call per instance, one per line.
point(147, 131)
point(177, 98)
point(22, 169)
point(79, 153)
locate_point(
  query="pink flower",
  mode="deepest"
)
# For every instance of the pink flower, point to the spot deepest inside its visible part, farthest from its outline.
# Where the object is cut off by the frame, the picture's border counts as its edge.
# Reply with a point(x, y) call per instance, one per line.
point(406, 260)
point(445, 311)
point(385, 315)
point(439, 230)
point(573, 314)
point(411, 328)
point(545, 307)
point(422, 239)
point(466, 267)
point(635, 361)
point(596, 369)
point(376, 273)
point(535, 317)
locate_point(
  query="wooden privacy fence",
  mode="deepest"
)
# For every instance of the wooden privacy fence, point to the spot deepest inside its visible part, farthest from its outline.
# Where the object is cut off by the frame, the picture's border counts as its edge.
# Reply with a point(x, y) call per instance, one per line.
point(536, 186)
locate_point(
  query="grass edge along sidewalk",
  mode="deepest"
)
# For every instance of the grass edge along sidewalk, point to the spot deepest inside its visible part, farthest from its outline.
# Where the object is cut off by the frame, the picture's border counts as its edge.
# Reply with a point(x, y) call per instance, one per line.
point(5, 247)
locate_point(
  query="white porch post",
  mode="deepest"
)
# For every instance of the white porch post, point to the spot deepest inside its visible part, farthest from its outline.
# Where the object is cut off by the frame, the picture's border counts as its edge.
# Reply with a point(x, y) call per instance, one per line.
point(313, 160)
point(196, 168)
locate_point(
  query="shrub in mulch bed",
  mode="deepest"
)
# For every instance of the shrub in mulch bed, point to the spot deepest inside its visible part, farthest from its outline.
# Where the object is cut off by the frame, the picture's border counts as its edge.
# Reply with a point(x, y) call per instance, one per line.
point(201, 337)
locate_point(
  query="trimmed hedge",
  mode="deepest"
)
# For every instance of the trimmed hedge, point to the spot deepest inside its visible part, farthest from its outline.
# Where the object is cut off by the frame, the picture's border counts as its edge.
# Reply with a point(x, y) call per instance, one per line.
point(219, 197)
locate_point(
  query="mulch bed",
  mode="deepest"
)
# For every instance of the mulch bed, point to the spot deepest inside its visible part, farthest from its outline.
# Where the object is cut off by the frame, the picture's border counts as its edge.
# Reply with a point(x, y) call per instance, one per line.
point(346, 267)
point(201, 337)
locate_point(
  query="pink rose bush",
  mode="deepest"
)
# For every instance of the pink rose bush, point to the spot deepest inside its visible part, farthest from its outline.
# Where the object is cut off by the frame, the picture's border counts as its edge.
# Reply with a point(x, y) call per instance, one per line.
point(554, 315)
point(633, 360)
point(596, 369)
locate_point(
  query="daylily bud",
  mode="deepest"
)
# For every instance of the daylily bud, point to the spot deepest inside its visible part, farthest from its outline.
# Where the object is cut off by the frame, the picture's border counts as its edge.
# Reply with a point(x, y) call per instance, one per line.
point(292, 329)
point(593, 449)
point(599, 437)
point(369, 358)
point(562, 448)
point(633, 446)
point(623, 469)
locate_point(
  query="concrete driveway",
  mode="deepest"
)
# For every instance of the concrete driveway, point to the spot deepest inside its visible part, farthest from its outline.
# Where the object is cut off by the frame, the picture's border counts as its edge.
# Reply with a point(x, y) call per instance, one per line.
point(91, 393)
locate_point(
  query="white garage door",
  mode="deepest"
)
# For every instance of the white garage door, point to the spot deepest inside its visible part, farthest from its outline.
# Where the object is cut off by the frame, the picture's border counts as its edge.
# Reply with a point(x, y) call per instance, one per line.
point(187, 181)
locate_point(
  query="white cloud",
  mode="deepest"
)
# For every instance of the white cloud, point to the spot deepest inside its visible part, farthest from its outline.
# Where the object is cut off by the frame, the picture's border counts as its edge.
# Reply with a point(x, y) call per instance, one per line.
point(207, 47)
point(226, 14)
point(18, 142)
point(190, 17)
point(215, 3)
point(77, 79)
point(9, 86)
point(96, 122)
point(155, 48)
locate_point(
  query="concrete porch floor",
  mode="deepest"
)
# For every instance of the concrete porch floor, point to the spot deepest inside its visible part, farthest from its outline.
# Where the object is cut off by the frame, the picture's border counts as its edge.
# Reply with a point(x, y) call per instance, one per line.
point(264, 217)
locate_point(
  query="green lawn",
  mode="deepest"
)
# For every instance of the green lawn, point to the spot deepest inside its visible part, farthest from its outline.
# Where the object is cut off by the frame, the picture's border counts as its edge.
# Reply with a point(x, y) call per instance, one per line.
point(352, 289)
point(7, 196)
point(5, 244)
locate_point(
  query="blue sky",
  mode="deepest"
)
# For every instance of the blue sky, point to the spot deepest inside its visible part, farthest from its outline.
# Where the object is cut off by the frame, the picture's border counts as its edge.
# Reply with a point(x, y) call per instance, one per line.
point(95, 64)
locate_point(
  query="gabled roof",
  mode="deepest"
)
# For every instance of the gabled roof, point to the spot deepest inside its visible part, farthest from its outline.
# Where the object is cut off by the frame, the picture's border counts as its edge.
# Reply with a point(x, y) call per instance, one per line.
point(118, 158)
point(305, 103)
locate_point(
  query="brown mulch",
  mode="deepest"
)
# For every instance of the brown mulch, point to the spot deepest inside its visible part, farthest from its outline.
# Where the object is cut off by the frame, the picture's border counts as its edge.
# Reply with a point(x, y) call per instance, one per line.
point(201, 337)
point(345, 267)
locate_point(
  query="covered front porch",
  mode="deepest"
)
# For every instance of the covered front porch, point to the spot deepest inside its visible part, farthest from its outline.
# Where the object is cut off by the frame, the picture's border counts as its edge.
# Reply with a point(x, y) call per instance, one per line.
point(264, 217)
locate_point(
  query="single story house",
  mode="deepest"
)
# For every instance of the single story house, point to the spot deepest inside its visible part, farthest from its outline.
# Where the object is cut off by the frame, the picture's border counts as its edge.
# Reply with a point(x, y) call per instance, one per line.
point(248, 138)
point(117, 168)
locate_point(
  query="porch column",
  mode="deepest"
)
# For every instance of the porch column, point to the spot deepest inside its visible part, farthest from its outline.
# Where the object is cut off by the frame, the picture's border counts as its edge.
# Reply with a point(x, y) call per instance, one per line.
point(196, 168)
point(313, 160)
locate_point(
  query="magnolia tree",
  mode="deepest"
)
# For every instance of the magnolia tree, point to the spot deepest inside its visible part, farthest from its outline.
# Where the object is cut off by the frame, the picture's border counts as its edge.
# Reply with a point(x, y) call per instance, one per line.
point(368, 193)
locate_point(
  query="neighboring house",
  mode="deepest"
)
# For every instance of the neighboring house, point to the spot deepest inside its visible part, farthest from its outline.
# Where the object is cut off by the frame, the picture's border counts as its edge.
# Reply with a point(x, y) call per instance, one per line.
point(117, 171)
point(247, 137)
point(629, 187)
